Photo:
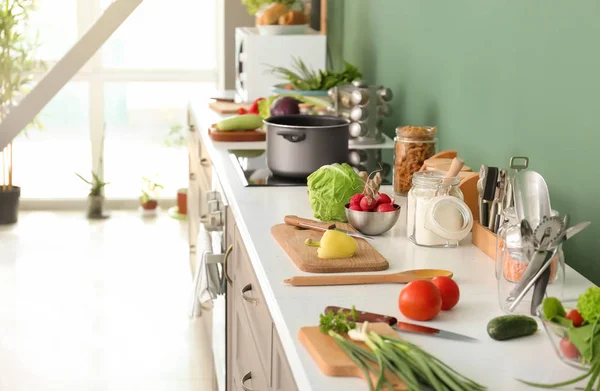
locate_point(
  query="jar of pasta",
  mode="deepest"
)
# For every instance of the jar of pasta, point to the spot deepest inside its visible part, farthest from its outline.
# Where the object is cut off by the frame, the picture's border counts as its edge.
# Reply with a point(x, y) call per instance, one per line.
point(414, 145)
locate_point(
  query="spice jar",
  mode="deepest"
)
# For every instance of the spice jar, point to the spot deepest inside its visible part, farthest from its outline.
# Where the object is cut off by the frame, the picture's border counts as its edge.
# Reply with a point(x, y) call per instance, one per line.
point(413, 145)
point(437, 216)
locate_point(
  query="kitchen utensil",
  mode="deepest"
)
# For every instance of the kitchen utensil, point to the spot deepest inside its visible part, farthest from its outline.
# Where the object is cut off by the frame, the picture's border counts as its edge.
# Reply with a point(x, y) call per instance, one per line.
point(235, 135)
point(320, 226)
point(527, 239)
point(291, 239)
point(489, 191)
point(496, 210)
point(480, 189)
point(532, 200)
point(372, 223)
point(402, 326)
point(394, 278)
point(227, 107)
point(519, 163)
point(574, 230)
point(297, 145)
point(556, 332)
point(332, 360)
point(543, 237)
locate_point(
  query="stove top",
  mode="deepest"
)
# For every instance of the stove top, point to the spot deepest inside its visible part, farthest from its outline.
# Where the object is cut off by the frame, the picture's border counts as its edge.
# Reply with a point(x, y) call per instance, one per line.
point(251, 166)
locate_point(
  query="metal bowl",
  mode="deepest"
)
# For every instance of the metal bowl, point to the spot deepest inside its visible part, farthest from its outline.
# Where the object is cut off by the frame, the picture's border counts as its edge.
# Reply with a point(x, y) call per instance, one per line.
point(372, 223)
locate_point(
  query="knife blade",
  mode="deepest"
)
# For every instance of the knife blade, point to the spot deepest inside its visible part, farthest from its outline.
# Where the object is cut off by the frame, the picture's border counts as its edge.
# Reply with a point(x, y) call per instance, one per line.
point(364, 316)
point(320, 226)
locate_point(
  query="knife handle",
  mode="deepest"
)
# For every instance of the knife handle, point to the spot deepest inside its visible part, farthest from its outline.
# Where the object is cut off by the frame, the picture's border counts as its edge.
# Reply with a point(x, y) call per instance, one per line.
point(306, 223)
point(365, 316)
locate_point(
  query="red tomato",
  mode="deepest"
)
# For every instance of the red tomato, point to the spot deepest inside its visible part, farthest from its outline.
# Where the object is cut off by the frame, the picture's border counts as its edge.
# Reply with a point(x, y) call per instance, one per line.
point(449, 291)
point(420, 300)
point(568, 349)
point(575, 317)
point(242, 111)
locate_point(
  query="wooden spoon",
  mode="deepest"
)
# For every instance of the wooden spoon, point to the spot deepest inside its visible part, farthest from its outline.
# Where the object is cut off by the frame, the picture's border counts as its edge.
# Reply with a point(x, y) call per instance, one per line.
point(357, 279)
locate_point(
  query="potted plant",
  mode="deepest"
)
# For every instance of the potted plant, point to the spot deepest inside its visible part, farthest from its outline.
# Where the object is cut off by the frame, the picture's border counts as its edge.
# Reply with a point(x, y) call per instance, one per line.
point(96, 196)
point(17, 59)
point(176, 139)
point(150, 192)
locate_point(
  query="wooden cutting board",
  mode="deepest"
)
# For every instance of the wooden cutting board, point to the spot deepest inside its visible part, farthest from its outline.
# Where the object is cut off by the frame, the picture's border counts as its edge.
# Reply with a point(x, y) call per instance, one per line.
point(332, 361)
point(236, 135)
point(225, 107)
point(291, 239)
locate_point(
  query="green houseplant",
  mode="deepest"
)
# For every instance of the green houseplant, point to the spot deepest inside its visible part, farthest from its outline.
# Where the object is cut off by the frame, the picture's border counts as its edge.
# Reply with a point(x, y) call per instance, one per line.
point(96, 196)
point(150, 192)
point(17, 65)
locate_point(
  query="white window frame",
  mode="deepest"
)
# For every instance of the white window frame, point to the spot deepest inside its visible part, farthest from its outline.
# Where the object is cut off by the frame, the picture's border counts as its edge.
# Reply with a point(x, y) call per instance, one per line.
point(93, 73)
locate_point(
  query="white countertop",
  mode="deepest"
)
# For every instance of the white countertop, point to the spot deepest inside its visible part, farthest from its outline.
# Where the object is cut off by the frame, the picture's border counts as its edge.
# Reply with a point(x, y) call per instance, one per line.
point(494, 364)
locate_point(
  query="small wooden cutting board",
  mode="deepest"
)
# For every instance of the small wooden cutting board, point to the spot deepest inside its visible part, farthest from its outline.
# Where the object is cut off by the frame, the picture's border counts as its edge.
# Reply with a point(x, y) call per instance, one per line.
point(235, 135)
point(291, 239)
point(332, 361)
point(225, 107)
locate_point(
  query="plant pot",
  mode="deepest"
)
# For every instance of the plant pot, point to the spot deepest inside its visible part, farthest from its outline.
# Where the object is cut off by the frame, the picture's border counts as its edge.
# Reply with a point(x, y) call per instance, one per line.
point(9, 205)
point(95, 207)
point(150, 205)
point(182, 201)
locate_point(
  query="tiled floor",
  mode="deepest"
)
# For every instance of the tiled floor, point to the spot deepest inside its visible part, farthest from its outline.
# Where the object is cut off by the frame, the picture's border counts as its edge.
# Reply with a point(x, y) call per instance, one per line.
point(98, 305)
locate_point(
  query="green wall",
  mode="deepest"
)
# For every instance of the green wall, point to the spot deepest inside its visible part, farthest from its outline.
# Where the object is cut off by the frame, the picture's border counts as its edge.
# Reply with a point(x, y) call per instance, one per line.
point(499, 79)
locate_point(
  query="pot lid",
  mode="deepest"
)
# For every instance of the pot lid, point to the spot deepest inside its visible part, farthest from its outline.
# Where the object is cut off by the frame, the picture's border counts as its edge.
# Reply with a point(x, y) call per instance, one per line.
point(56, 78)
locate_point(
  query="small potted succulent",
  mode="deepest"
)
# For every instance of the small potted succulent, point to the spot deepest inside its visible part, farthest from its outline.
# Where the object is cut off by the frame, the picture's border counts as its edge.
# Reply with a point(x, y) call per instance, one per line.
point(150, 192)
point(96, 196)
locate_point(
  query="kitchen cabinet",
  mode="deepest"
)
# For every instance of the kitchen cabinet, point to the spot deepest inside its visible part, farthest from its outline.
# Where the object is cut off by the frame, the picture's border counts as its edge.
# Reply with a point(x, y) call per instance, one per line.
point(254, 351)
point(282, 378)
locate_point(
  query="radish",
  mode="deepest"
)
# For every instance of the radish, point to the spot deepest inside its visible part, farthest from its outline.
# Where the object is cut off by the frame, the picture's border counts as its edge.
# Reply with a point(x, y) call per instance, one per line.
point(385, 208)
point(383, 199)
point(355, 199)
point(355, 207)
point(368, 203)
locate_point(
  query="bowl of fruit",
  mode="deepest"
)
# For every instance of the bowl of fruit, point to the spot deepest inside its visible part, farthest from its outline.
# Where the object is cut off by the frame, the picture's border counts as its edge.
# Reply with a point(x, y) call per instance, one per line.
point(372, 215)
point(567, 330)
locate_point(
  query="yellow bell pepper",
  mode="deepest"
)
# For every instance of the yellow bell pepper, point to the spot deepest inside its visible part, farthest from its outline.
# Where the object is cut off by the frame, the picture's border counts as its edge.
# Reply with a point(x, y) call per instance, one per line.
point(334, 244)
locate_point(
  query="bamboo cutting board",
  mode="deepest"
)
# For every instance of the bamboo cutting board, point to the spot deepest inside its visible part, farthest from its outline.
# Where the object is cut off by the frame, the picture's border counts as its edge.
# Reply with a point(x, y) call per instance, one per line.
point(292, 238)
point(332, 361)
point(236, 135)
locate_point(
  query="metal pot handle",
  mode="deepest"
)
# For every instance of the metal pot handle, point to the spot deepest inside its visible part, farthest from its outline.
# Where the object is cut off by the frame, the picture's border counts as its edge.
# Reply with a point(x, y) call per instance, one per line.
point(294, 136)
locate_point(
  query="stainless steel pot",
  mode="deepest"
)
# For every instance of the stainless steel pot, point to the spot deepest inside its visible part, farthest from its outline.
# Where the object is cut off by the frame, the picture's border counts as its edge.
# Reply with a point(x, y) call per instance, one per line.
point(297, 145)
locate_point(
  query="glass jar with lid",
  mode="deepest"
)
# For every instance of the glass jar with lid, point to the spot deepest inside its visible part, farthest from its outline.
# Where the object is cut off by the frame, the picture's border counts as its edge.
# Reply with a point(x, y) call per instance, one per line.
point(512, 259)
point(413, 145)
point(437, 216)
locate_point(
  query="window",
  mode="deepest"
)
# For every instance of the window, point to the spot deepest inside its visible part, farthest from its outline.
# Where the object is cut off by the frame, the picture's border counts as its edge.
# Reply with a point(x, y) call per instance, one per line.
point(133, 90)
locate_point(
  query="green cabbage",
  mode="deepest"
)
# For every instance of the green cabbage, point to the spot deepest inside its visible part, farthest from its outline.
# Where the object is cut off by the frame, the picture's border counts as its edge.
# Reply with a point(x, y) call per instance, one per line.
point(330, 188)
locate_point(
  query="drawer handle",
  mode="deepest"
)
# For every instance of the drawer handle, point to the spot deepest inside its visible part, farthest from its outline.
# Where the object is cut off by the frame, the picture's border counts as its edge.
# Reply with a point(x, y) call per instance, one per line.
point(247, 376)
point(227, 254)
point(249, 299)
point(204, 162)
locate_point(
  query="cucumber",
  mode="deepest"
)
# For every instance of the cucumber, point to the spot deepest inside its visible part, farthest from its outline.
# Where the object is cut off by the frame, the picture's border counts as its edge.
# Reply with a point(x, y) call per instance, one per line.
point(511, 326)
point(241, 122)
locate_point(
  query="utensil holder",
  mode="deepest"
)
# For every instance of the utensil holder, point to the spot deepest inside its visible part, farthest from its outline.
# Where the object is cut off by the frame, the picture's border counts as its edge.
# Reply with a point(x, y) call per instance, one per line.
point(511, 263)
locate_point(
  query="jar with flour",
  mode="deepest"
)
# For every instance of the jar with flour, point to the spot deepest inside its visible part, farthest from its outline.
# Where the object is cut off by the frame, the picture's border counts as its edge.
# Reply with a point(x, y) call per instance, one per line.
point(437, 216)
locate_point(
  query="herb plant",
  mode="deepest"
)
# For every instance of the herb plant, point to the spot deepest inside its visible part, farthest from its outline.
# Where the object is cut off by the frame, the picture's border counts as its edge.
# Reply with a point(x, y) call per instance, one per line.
point(96, 183)
point(304, 79)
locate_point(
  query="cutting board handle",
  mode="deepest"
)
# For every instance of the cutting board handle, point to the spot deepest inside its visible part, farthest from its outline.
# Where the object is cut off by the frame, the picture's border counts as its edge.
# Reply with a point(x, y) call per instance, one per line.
point(306, 223)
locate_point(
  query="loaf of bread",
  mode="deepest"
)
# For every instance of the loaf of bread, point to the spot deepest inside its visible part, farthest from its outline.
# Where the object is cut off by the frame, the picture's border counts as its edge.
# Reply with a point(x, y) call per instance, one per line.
point(272, 14)
point(292, 18)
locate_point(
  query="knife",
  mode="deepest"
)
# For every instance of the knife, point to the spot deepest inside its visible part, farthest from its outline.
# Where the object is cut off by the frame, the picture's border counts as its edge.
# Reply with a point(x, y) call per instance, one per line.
point(320, 226)
point(402, 326)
